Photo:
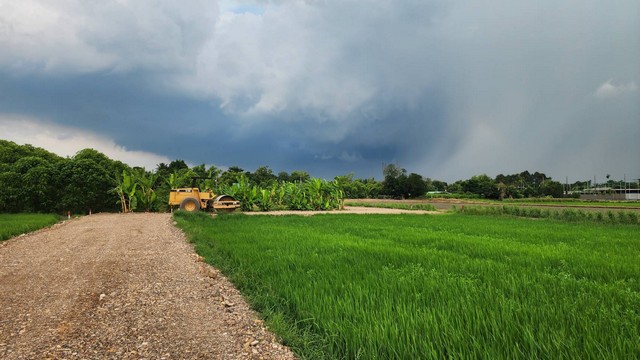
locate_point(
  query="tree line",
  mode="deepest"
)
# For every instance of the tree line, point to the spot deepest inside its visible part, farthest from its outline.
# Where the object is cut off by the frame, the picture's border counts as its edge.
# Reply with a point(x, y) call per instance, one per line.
point(35, 180)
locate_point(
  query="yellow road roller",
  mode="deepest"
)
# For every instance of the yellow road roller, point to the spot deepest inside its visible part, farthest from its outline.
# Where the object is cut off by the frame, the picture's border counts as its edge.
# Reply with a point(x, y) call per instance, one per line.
point(193, 199)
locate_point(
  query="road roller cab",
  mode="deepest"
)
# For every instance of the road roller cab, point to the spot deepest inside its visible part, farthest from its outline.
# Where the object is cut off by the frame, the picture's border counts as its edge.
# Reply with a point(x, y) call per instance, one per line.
point(192, 200)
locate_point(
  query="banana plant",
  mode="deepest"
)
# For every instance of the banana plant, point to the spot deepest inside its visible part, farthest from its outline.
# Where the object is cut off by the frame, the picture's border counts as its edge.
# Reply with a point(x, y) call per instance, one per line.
point(172, 180)
point(245, 192)
point(265, 200)
point(126, 190)
point(119, 190)
point(147, 195)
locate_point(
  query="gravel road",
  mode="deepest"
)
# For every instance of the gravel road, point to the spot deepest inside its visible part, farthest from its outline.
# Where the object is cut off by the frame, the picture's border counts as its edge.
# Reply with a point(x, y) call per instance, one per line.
point(114, 286)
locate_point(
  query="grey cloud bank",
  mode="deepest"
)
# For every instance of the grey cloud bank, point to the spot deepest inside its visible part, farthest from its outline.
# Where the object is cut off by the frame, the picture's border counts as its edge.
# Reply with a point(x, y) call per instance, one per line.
point(447, 89)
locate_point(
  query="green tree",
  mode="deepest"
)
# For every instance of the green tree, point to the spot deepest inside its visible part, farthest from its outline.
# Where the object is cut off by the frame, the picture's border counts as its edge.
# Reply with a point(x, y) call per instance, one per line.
point(299, 176)
point(10, 191)
point(39, 189)
point(177, 165)
point(414, 186)
point(481, 185)
point(86, 186)
point(231, 176)
point(551, 188)
point(283, 176)
point(263, 177)
point(394, 180)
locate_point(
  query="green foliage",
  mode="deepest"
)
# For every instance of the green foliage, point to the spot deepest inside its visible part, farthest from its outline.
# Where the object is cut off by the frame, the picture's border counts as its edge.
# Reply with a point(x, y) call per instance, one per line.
point(263, 177)
point(526, 184)
point(35, 180)
point(86, 186)
point(612, 217)
point(16, 224)
point(481, 185)
point(398, 184)
point(432, 287)
point(244, 192)
point(358, 188)
point(231, 176)
point(145, 194)
point(265, 200)
point(313, 194)
point(299, 176)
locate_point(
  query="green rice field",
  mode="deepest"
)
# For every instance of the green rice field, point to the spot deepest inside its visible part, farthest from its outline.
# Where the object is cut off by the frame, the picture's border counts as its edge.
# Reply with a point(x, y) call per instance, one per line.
point(433, 286)
point(16, 224)
point(395, 205)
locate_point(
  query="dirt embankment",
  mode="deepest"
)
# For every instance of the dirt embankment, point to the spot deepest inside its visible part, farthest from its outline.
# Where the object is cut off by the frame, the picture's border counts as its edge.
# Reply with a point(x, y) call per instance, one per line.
point(121, 286)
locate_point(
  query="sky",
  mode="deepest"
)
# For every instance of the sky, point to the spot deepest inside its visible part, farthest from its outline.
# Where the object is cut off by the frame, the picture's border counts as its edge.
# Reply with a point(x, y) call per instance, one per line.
point(446, 89)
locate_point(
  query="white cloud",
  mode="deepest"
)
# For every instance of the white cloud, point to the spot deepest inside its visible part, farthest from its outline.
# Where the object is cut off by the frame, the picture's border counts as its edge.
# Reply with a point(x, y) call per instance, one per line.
point(610, 90)
point(67, 141)
point(75, 36)
point(413, 80)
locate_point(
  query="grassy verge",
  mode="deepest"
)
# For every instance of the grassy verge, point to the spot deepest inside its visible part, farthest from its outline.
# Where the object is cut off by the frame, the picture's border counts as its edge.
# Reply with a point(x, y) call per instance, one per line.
point(427, 287)
point(16, 224)
point(574, 202)
point(393, 205)
point(611, 217)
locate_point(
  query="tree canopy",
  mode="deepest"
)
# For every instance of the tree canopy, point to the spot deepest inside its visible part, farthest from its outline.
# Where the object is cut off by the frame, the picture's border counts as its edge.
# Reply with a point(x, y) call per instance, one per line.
point(35, 180)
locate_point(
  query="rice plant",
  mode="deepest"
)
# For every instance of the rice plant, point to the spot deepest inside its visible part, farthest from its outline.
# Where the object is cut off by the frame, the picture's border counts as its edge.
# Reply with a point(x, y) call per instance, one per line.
point(431, 287)
point(16, 224)
point(572, 215)
point(394, 205)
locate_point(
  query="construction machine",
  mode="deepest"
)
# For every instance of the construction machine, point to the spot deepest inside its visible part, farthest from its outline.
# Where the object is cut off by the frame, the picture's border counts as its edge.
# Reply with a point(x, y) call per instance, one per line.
point(193, 199)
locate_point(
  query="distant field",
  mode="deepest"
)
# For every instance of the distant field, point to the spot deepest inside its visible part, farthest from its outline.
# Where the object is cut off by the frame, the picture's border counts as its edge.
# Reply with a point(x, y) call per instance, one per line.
point(16, 224)
point(421, 286)
point(571, 202)
point(445, 204)
point(394, 205)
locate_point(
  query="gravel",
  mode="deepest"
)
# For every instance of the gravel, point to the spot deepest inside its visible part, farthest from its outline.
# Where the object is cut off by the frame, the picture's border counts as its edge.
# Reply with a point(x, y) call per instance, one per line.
point(121, 286)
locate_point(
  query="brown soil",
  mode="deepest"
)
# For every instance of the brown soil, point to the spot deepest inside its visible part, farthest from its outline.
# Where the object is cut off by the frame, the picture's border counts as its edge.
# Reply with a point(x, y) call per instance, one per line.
point(118, 286)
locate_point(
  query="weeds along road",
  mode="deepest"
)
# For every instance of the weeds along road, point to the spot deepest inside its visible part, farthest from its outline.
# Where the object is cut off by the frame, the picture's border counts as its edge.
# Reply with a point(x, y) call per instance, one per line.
point(121, 286)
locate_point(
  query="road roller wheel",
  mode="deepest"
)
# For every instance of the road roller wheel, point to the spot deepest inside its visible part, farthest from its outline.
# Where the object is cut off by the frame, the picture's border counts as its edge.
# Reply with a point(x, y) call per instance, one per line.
point(190, 204)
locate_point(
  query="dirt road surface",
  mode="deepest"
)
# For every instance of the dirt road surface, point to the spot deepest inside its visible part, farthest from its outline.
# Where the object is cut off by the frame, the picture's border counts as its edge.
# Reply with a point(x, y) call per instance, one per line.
point(124, 286)
point(347, 210)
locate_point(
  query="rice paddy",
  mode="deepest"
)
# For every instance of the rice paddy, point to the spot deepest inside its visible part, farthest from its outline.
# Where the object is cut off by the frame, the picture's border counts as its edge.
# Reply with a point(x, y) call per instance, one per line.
point(427, 287)
point(16, 224)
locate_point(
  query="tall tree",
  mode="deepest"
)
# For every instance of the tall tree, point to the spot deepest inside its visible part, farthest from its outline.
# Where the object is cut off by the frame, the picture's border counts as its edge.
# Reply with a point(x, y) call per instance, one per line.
point(263, 177)
point(394, 180)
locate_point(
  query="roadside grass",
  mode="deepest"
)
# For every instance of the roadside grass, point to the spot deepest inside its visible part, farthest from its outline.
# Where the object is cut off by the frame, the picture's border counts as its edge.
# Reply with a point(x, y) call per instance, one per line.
point(430, 287)
point(16, 224)
point(631, 204)
point(569, 202)
point(610, 216)
point(394, 205)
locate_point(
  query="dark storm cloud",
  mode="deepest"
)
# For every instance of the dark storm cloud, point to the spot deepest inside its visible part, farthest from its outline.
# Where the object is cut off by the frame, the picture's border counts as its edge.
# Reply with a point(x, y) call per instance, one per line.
point(448, 89)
